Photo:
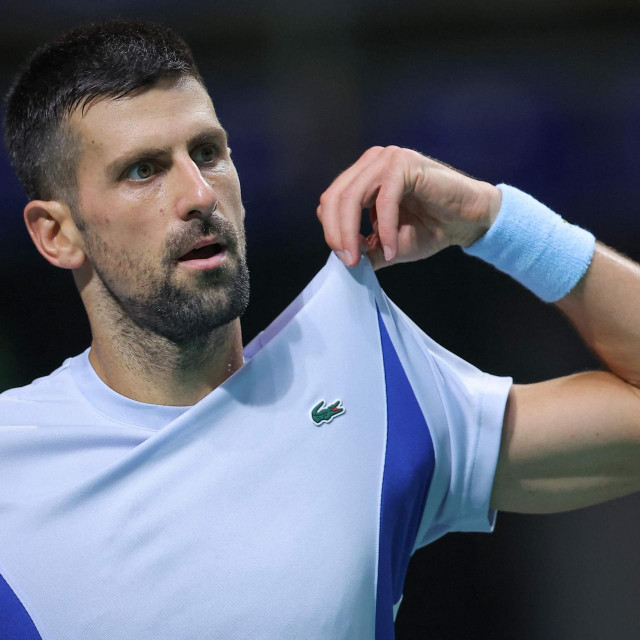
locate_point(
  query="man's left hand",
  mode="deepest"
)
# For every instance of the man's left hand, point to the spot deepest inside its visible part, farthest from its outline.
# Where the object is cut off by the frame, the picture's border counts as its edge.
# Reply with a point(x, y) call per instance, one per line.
point(417, 207)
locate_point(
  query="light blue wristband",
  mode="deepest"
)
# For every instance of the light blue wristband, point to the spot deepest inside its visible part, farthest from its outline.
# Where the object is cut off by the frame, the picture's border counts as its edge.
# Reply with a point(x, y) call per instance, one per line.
point(535, 246)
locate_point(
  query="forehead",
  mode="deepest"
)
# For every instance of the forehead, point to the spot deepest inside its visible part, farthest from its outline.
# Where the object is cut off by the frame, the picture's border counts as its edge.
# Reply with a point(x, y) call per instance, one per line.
point(164, 115)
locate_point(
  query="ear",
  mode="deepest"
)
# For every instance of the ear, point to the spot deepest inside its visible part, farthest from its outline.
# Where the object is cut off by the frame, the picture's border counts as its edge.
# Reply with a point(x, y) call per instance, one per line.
point(54, 233)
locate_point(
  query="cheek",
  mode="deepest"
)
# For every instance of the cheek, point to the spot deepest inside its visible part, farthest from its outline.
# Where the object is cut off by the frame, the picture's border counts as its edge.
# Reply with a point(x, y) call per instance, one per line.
point(234, 197)
point(124, 247)
point(126, 229)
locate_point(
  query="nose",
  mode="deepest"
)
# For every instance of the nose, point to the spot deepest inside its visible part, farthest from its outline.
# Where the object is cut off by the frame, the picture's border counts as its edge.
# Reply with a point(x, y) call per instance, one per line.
point(194, 195)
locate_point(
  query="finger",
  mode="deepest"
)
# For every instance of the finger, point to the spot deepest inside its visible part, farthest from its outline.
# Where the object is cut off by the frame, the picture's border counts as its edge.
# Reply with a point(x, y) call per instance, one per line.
point(374, 248)
point(376, 258)
point(373, 215)
point(327, 212)
point(374, 251)
point(346, 176)
point(355, 196)
point(329, 197)
point(388, 202)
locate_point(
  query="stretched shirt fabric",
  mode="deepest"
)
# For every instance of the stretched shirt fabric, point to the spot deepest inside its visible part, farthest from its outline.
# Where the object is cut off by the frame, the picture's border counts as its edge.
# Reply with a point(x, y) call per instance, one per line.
point(241, 516)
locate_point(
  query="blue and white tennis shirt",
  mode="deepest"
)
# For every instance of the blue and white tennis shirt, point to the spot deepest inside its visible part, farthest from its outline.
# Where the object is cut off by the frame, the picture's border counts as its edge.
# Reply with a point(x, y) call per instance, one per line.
point(284, 505)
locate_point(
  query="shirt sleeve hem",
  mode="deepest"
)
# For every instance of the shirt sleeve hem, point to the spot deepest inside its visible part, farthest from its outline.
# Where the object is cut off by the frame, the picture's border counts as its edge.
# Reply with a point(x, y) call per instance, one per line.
point(481, 517)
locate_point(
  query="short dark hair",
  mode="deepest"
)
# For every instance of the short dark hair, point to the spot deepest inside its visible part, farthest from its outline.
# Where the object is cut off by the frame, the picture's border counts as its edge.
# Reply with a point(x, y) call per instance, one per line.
point(109, 59)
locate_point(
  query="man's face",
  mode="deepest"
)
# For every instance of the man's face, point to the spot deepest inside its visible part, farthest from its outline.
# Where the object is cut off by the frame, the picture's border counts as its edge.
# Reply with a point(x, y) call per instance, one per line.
point(154, 178)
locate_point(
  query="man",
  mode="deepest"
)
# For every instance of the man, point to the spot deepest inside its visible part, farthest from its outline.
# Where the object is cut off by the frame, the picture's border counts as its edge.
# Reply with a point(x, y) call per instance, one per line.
point(167, 483)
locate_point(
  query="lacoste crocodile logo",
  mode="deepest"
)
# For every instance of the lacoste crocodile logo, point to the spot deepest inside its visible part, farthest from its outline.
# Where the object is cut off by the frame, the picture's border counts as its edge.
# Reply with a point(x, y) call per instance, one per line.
point(326, 414)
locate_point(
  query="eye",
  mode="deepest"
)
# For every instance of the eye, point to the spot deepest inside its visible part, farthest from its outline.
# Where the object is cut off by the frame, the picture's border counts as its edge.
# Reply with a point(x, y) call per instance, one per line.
point(205, 154)
point(140, 171)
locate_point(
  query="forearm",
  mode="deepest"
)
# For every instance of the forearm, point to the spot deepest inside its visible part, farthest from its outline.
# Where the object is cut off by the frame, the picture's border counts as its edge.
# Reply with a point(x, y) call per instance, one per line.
point(605, 309)
point(597, 288)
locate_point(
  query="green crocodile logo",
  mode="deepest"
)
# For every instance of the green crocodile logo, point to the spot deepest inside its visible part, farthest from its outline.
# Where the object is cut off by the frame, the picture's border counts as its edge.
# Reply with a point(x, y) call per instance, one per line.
point(326, 414)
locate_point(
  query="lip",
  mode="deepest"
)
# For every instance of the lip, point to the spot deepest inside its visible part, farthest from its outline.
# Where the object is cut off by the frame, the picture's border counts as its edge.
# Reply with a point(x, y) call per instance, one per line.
point(203, 242)
point(205, 263)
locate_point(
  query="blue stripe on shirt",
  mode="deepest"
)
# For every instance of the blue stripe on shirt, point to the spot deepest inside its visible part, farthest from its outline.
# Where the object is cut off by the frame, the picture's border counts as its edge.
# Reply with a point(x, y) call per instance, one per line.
point(15, 622)
point(408, 468)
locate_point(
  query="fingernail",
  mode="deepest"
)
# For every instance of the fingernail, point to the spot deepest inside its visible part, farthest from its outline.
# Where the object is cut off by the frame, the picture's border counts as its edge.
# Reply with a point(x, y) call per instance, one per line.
point(345, 256)
point(387, 252)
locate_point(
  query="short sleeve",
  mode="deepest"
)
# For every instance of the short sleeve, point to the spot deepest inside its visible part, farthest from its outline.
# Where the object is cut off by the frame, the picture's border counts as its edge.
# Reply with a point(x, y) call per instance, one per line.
point(464, 411)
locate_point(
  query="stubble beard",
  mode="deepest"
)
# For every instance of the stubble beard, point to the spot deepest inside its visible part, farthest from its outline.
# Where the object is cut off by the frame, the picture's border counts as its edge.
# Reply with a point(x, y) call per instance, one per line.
point(185, 315)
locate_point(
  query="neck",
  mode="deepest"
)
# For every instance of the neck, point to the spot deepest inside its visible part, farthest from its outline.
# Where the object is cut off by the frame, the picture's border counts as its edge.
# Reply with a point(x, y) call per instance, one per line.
point(149, 368)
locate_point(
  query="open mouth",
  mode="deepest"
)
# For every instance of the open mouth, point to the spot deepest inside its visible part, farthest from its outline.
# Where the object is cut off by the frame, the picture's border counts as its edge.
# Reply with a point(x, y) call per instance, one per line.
point(202, 253)
point(204, 258)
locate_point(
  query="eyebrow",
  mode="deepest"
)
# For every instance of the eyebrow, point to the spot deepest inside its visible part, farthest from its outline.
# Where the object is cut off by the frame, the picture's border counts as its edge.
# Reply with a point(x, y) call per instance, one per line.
point(117, 166)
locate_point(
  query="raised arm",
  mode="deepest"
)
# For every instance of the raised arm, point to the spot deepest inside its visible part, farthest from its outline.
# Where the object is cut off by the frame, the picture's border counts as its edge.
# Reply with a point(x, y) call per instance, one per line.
point(568, 442)
point(575, 441)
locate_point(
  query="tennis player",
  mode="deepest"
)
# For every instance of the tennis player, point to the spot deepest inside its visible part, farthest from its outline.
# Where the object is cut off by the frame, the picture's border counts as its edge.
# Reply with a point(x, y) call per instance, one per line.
point(168, 482)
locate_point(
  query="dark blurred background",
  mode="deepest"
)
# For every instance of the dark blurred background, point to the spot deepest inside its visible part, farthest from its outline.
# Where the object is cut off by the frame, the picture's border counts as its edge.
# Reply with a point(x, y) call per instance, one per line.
point(544, 95)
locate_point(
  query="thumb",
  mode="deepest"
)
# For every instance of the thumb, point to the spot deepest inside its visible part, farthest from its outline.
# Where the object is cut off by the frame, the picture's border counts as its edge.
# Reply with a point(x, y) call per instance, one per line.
point(376, 257)
point(372, 248)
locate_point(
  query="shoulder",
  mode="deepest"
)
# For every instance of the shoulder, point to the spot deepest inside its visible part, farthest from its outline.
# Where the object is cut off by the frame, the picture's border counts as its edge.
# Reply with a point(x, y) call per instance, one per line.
point(21, 404)
point(38, 386)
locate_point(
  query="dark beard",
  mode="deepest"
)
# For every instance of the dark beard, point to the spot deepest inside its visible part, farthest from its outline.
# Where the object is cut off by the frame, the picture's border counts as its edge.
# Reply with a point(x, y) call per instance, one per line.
point(186, 318)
